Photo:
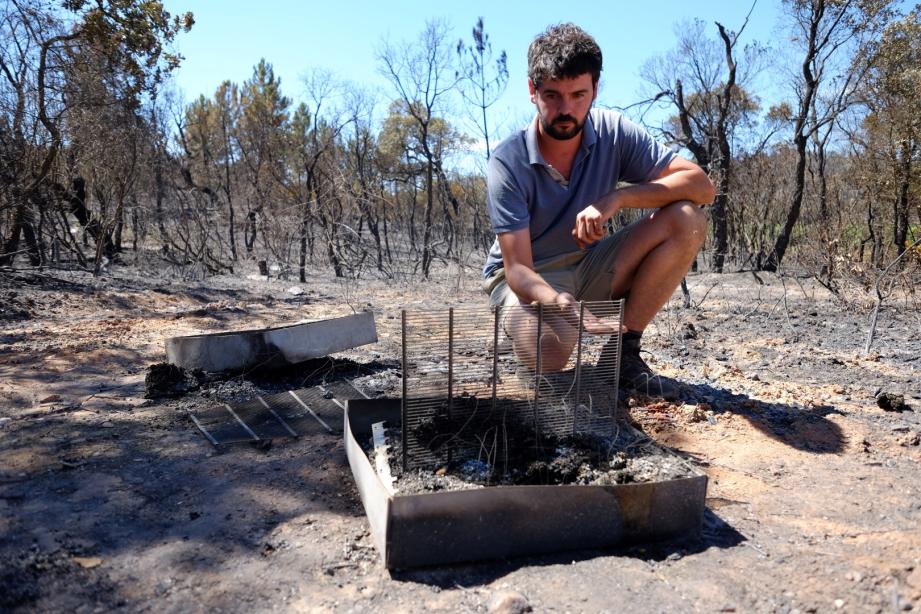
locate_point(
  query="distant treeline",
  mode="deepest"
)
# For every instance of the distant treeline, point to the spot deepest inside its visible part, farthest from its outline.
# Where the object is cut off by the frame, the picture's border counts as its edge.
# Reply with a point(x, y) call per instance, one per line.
point(98, 157)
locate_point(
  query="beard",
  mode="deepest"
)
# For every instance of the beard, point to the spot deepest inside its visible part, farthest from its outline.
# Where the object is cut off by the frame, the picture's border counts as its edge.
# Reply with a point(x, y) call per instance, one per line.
point(553, 130)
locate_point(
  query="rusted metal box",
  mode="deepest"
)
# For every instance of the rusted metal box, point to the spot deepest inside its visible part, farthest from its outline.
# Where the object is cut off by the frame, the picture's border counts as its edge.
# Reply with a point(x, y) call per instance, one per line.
point(511, 521)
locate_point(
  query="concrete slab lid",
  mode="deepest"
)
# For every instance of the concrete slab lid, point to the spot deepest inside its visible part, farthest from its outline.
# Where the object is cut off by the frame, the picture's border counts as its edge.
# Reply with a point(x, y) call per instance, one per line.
point(273, 346)
point(507, 521)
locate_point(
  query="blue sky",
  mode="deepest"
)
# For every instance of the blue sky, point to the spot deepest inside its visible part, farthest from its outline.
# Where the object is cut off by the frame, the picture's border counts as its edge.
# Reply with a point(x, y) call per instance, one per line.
point(230, 36)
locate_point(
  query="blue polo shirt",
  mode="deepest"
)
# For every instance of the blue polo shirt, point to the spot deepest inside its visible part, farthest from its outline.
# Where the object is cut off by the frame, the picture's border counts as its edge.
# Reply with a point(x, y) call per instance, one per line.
point(523, 191)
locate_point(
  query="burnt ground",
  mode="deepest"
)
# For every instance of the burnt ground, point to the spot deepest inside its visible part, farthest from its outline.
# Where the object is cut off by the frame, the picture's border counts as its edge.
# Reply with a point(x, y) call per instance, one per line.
point(109, 501)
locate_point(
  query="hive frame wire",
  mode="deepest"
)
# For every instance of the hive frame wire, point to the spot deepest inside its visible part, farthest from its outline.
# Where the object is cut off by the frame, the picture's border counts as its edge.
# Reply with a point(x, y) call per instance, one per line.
point(453, 359)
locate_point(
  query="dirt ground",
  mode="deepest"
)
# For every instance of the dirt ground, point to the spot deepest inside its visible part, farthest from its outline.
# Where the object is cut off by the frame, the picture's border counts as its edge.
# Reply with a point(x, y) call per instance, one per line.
point(109, 501)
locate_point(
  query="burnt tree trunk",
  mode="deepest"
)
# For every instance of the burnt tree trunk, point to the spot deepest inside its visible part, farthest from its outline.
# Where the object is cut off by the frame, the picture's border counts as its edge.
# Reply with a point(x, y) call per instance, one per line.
point(700, 152)
point(228, 160)
point(900, 218)
point(11, 242)
point(720, 203)
point(249, 236)
point(119, 227)
point(800, 139)
point(783, 239)
point(452, 213)
point(427, 248)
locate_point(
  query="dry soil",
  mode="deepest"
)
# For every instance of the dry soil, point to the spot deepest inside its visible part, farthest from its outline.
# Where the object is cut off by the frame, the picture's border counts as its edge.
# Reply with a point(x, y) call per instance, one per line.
point(109, 501)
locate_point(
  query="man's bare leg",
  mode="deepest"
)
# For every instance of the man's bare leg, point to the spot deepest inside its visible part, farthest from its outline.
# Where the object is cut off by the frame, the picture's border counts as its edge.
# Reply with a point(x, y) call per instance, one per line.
point(557, 338)
point(559, 333)
point(654, 258)
point(650, 265)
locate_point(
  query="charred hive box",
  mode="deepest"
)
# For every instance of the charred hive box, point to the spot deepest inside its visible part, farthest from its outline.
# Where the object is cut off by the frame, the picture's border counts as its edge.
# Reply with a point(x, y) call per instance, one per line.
point(434, 528)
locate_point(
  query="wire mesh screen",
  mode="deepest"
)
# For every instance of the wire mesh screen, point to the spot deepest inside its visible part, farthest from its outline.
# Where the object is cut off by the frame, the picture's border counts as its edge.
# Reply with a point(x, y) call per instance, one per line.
point(476, 377)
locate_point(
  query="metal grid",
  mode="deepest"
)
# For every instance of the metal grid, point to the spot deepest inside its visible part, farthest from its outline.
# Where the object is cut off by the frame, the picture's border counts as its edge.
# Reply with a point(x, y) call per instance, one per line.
point(287, 414)
point(470, 374)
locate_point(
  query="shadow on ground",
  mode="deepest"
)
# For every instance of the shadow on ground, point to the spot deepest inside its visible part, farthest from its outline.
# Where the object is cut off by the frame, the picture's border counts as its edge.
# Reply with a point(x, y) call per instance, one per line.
point(803, 428)
point(77, 486)
point(800, 427)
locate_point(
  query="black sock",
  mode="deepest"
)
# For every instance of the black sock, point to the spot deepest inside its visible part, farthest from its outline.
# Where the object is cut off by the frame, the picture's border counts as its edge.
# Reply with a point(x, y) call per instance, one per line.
point(630, 341)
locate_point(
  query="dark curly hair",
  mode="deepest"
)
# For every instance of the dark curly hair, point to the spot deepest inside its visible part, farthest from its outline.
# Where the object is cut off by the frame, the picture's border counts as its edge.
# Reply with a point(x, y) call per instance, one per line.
point(563, 51)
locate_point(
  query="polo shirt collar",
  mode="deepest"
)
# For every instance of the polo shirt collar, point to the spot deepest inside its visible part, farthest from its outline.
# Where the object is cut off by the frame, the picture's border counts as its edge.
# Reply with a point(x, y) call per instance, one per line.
point(530, 139)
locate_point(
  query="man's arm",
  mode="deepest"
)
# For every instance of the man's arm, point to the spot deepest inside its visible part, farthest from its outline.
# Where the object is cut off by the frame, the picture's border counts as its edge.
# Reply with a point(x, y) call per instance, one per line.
point(518, 262)
point(680, 180)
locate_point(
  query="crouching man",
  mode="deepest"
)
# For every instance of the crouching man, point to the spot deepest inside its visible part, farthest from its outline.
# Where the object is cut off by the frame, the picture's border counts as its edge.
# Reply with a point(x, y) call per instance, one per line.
point(550, 190)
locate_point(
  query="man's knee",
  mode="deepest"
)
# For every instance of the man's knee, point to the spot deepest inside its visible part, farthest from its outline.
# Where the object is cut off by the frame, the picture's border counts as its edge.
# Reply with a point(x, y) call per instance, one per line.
point(558, 339)
point(688, 221)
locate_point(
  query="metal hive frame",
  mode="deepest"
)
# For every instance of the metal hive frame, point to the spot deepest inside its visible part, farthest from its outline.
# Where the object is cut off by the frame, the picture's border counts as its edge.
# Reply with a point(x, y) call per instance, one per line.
point(459, 364)
point(293, 413)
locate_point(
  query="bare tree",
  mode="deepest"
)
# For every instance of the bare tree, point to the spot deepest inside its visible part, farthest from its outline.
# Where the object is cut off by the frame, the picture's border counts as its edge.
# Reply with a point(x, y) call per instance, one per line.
point(481, 86)
point(422, 75)
point(893, 125)
point(315, 132)
point(709, 113)
point(54, 60)
point(834, 34)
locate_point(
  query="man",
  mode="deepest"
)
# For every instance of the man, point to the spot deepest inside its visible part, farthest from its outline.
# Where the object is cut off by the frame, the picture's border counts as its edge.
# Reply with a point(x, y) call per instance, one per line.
point(550, 190)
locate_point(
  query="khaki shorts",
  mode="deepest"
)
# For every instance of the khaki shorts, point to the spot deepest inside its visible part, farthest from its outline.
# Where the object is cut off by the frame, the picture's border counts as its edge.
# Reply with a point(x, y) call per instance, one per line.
point(587, 275)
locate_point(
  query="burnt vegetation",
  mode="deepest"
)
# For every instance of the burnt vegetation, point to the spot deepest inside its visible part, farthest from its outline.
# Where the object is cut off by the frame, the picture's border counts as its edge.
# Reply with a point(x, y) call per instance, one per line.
point(101, 162)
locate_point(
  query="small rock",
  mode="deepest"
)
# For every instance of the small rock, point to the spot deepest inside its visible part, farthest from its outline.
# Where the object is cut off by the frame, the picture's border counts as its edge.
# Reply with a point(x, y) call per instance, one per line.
point(697, 413)
point(4, 420)
point(263, 445)
point(911, 438)
point(107, 425)
point(166, 380)
point(87, 562)
point(839, 603)
point(54, 398)
point(509, 602)
point(891, 401)
point(295, 290)
point(914, 581)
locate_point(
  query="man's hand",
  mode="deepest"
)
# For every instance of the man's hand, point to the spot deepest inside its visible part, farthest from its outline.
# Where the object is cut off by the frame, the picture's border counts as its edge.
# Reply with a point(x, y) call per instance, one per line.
point(590, 224)
point(568, 308)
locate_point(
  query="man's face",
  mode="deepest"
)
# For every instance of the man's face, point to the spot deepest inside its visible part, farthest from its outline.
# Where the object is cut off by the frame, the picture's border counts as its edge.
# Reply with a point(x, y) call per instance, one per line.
point(563, 105)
